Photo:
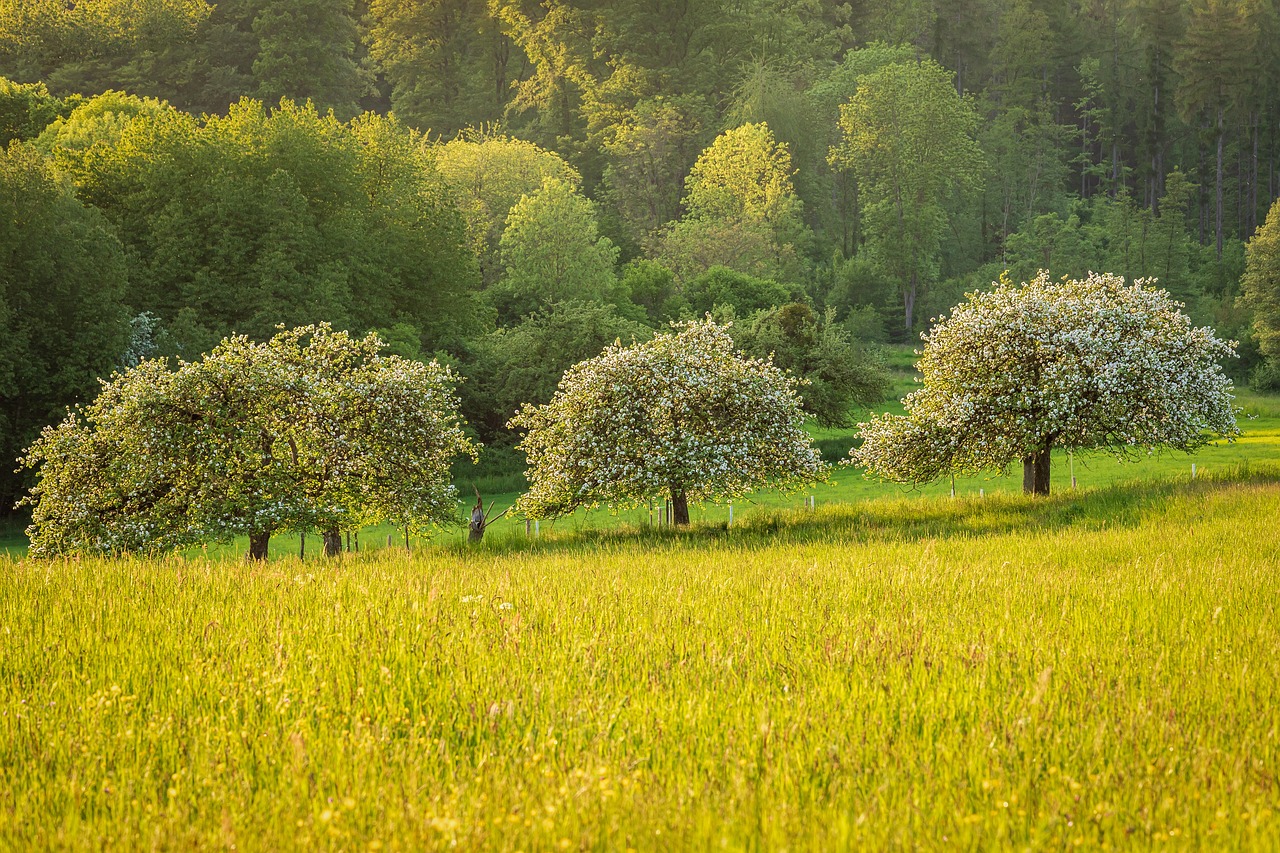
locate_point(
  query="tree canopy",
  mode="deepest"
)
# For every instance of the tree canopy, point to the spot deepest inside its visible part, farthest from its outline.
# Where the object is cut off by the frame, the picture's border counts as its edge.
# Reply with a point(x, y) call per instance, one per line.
point(63, 322)
point(683, 416)
point(1261, 284)
point(311, 430)
point(1085, 365)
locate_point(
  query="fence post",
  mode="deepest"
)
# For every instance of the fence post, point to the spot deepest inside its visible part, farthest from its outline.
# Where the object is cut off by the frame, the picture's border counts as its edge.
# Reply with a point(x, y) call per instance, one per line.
point(388, 540)
point(302, 545)
point(731, 513)
point(1071, 464)
point(953, 485)
point(1193, 470)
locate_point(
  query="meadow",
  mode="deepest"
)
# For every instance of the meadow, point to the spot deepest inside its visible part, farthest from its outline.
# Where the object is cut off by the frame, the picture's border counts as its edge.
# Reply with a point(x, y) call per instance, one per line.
point(1098, 668)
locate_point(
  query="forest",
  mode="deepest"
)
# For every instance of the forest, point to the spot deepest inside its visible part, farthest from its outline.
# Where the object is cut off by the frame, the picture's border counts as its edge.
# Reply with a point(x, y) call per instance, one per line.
point(510, 186)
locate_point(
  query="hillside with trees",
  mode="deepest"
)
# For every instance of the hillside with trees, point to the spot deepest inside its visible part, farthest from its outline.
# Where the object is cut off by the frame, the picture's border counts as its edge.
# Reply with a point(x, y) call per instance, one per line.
point(512, 186)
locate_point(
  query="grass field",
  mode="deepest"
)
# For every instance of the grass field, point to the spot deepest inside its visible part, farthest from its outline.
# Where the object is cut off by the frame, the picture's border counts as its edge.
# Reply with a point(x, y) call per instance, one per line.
point(1099, 668)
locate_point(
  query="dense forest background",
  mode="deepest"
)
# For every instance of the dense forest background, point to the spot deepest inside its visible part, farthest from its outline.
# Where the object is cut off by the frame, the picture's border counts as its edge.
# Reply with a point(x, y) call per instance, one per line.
point(510, 185)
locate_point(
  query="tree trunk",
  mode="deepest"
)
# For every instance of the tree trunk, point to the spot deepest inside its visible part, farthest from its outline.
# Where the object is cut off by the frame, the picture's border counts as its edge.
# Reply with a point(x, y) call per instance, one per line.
point(332, 542)
point(679, 508)
point(1035, 473)
point(477, 525)
point(1217, 227)
point(909, 304)
point(258, 545)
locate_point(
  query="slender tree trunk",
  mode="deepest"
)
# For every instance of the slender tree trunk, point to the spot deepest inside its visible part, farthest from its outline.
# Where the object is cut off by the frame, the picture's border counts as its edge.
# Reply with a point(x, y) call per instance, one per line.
point(909, 304)
point(679, 507)
point(332, 542)
point(1252, 225)
point(1035, 472)
point(258, 545)
point(1222, 135)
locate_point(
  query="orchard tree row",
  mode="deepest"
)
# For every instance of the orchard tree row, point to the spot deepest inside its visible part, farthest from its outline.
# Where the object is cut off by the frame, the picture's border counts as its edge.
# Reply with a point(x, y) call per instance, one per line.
point(315, 429)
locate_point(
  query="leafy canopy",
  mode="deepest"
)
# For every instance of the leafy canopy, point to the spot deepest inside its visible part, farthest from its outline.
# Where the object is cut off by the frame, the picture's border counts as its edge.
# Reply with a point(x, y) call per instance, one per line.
point(1261, 283)
point(313, 429)
point(1090, 365)
point(684, 414)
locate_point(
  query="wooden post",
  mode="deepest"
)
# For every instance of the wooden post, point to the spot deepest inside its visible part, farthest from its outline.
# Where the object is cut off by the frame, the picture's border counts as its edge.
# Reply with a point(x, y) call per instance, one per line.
point(1193, 470)
point(406, 538)
point(302, 545)
point(1071, 465)
point(953, 485)
point(388, 540)
point(731, 513)
point(357, 541)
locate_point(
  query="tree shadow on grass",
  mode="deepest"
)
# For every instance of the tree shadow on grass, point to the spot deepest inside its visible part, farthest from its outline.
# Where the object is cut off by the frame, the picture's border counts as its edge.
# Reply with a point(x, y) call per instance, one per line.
point(1124, 505)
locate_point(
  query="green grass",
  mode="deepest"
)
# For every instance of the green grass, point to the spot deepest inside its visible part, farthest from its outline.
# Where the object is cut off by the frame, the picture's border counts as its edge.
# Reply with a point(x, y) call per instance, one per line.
point(1097, 668)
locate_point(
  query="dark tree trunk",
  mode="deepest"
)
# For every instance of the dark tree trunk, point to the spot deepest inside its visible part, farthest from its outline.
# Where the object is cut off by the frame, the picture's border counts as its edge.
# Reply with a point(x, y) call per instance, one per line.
point(679, 508)
point(332, 543)
point(1035, 473)
point(1217, 223)
point(258, 545)
point(477, 525)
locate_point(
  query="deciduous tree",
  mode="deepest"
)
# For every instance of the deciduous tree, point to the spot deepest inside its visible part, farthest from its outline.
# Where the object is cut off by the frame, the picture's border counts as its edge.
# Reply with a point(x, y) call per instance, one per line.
point(62, 317)
point(683, 416)
point(1086, 365)
point(909, 139)
point(552, 251)
point(311, 430)
point(1261, 284)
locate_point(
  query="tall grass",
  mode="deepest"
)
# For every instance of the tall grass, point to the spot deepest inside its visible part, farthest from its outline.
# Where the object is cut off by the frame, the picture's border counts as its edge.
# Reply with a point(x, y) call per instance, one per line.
point(1088, 670)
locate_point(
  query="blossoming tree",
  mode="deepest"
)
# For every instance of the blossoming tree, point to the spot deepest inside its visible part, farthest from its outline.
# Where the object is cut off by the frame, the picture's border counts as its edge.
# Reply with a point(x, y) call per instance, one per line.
point(313, 429)
point(1088, 365)
point(683, 416)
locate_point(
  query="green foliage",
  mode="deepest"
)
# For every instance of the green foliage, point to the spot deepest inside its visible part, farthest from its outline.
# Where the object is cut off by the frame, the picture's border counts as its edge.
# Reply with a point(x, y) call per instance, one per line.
point(525, 362)
point(648, 151)
point(62, 321)
point(908, 138)
point(837, 373)
point(1091, 365)
point(446, 61)
point(306, 52)
point(742, 210)
point(488, 174)
point(746, 294)
point(1261, 284)
point(652, 287)
point(692, 246)
point(26, 109)
point(258, 218)
point(683, 415)
point(552, 251)
point(313, 429)
point(744, 174)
